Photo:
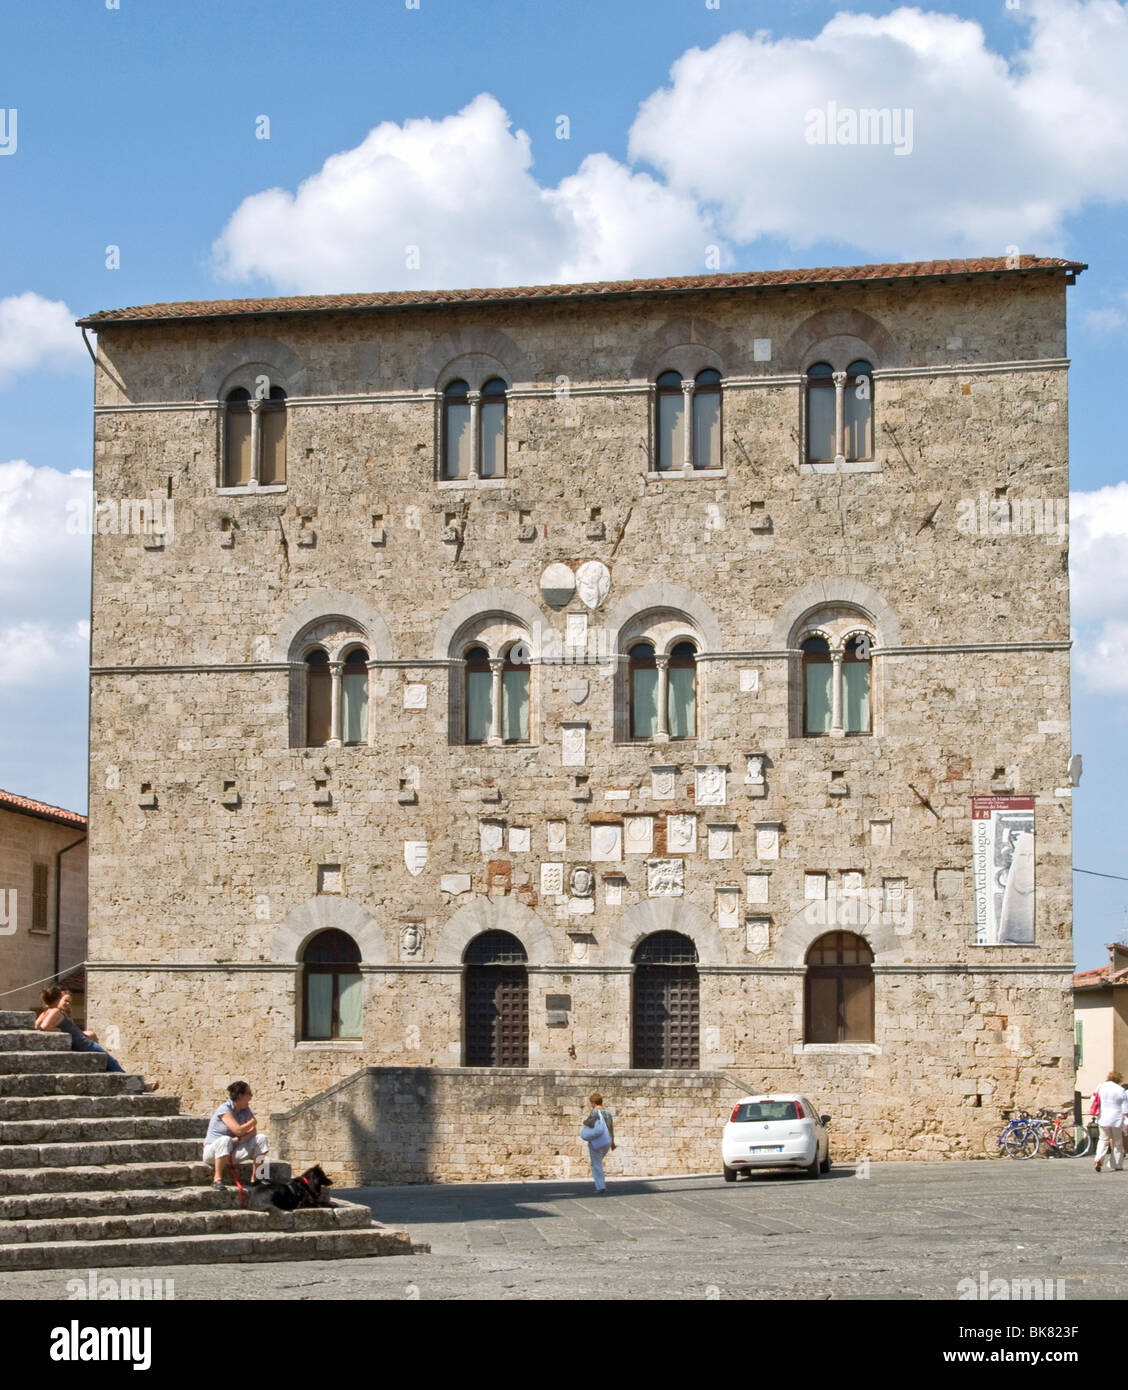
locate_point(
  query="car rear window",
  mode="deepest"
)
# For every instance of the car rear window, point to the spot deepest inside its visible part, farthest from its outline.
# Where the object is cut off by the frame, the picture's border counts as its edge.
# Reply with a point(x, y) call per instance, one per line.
point(764, 1110)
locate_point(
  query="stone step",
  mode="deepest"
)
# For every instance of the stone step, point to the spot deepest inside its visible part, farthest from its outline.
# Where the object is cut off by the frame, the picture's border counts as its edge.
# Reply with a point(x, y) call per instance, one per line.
point(157, 1225)
point(102, 1130)
point(86, 1083)
point(16, 1018)
point(124, 1177)
point(56, 1108)
point(86, 1153)
point(242, 1248)
point(68, 1061)
point(47, 1206)
point(34, 1040)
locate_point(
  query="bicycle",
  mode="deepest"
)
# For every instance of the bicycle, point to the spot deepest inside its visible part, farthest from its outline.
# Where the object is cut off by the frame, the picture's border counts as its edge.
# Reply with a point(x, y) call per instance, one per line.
point(1014, 1139)
point(1060, 1135)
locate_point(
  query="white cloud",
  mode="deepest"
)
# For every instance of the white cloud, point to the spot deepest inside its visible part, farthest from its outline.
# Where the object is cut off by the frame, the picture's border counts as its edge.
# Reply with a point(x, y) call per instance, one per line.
point(39, 654)
point(1098, 582)
point(1000, 154)
point(35, 333)
point(44, 570)
point(459, 194)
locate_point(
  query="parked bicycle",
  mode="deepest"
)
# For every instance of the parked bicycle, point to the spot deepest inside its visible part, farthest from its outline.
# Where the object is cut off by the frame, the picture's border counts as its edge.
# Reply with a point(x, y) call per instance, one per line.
point(1015, 1139)
point(1060, 1135)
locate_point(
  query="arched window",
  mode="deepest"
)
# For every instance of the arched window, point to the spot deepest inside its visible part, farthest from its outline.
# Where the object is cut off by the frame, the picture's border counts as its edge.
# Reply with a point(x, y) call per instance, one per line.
point(707, 419)
point(837, 689)
point(496, 1001)
point(818, 681)
point(643, 671)
point(670, 423)
point(681, 703)
point(857, 713)
point(332, 993)
point(492, 429)
point(354, 697)
point(456, 441)
point(821, 414)
point(665, 1003)
point(237, 442)
point(858, 411)
point(839, 992)
point(479, 695)
point(515, 695)
point(272, 430)
point(319, 699)
point(254, 446)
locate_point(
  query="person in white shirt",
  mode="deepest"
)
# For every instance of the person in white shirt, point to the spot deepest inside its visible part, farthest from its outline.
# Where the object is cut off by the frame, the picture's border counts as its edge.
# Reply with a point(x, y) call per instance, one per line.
point(1110, 1119)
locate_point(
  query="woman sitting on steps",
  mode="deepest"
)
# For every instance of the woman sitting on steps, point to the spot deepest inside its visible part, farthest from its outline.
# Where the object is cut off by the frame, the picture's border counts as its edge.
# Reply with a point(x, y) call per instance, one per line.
point(56, 1018)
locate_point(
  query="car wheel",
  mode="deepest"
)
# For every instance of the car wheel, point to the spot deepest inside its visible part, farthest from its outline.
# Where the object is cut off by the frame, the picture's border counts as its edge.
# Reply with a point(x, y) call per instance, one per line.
point(730, 1174)
point(826, 1162)
point(814, 1167)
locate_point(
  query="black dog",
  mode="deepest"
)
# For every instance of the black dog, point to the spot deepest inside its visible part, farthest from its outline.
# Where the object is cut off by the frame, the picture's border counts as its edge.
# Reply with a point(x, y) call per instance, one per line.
point(305, 1191)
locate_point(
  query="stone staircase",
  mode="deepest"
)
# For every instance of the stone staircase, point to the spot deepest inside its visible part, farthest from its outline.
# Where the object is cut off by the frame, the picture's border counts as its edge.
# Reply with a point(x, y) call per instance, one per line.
point(95, 1174)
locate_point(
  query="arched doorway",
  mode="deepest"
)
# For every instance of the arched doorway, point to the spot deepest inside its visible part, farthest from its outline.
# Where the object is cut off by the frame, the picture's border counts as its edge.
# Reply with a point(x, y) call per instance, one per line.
point(665, 1003)
point(496, 1001)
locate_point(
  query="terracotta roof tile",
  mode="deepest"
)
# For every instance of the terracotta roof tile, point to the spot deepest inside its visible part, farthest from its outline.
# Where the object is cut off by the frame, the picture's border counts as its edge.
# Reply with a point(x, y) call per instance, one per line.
point(687, 284)
point(1095, 979)
point(9, 801)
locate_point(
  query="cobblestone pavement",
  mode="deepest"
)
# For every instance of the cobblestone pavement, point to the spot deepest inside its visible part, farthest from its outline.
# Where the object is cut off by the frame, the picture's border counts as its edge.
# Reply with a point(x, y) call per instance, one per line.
point(908, 1230)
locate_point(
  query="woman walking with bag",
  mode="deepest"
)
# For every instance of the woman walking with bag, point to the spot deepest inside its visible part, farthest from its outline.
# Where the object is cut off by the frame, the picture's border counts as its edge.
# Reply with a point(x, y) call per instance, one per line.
point(599, 1135)
point(1112, 1109)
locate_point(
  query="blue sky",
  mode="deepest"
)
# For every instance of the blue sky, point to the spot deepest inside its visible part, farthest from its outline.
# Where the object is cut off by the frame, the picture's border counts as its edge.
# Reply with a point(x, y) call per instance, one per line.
point(136, 128)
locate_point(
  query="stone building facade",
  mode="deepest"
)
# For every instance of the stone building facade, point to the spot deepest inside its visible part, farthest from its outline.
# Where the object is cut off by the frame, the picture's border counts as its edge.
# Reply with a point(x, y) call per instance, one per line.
point(592, 678)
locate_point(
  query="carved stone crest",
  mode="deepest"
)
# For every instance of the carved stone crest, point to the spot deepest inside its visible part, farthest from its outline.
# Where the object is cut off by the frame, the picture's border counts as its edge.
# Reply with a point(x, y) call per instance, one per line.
point(415, 855)
point(578, 691)
point(582, 882)
point(411, 941)
point(593, 582)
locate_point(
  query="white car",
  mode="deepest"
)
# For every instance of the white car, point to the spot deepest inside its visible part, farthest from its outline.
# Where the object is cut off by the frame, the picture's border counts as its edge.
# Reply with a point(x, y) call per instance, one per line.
point(779, 1131)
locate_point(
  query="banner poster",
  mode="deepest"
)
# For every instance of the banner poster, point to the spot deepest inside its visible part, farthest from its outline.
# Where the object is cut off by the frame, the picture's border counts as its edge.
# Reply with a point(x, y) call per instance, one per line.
point(1002, 857)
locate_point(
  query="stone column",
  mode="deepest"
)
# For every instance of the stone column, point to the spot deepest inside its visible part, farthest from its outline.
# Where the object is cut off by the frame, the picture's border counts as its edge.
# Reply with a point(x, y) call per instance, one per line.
point(335, 669)
point(839, 419)
point(497, 666)
point(836, 729)
point(663, 665)
point(687, 426)
point(475, 399)
point(256, 438)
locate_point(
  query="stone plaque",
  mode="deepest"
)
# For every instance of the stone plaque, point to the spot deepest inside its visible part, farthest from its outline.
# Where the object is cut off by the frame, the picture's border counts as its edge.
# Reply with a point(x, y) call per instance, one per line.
point(681, 834)
point(575, 629)
point(767, 842)
point(749, 681)
point(665, 878)
point(639, 834)
point(415, 696)
point(573, 744)
point(613, 892)
point(557, 836)
point(721, 840)
point(581, 907)
point(593, 582)
point(557, 585)
point(728, 908)
point(853, 881)
point(758, 934)
point(814, 886)
point(881, 832)
point(455, 883)
point(490, 834)
point(415, 856)
point(710, 786)
point(520, 839)
point(758, 887)
point(607, 844)
point(663, 783)
point(552, 880)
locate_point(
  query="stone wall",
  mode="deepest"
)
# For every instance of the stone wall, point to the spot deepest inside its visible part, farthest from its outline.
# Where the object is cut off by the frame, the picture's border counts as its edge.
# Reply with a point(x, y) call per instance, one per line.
point(219, 848)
